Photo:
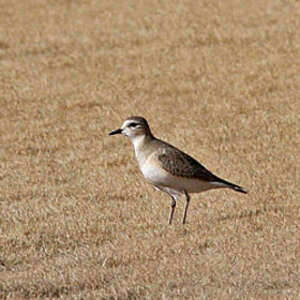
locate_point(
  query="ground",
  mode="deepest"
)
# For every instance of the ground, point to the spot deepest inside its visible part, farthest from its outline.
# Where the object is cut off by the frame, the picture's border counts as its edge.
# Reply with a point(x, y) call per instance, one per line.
point(218, 79)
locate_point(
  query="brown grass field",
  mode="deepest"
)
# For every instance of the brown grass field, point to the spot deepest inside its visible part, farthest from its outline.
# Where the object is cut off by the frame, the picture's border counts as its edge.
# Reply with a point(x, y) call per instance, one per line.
point(218, 79)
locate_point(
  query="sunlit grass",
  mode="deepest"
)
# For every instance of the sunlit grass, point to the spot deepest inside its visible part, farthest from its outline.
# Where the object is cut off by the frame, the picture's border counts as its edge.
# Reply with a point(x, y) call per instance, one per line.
point(220, 80)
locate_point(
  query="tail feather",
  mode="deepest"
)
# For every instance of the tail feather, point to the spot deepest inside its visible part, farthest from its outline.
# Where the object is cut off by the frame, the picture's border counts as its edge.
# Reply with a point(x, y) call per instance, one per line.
point(232, 186)
point(238, 188)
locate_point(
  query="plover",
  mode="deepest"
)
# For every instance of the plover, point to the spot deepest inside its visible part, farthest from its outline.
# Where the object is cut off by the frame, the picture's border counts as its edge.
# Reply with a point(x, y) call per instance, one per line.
point(167, 168)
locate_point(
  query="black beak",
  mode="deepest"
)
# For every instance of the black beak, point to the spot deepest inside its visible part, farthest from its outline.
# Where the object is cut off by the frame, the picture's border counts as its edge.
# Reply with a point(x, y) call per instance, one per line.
point(118, 131)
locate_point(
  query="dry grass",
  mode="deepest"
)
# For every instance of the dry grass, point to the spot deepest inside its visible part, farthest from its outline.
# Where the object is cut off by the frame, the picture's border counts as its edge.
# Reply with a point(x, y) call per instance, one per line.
point(219, 79)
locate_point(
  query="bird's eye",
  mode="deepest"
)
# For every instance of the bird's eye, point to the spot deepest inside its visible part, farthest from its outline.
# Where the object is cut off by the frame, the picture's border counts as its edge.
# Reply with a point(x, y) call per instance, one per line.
point(133, 125)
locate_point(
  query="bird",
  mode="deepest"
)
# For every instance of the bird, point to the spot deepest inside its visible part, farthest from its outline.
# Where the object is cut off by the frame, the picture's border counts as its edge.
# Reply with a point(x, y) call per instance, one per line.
point(167, 168)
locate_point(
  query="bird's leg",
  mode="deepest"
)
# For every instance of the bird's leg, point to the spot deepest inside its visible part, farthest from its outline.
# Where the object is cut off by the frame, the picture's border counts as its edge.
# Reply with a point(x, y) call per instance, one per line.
point(187, 198)
point(173, 205)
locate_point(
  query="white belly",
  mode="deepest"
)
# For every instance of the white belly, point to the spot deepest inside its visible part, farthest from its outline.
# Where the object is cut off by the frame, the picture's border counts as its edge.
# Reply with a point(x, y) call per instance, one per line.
point(159, 177)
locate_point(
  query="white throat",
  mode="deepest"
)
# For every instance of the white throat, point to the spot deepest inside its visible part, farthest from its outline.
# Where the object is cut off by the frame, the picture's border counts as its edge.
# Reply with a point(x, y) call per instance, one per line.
point(138, 142)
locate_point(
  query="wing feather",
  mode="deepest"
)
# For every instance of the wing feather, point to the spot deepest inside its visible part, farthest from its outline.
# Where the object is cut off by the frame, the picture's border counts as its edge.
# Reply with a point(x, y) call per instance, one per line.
point(181, 164)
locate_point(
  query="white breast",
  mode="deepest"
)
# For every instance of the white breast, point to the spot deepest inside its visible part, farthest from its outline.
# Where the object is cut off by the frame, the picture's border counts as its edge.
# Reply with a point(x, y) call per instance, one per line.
point(154, 174)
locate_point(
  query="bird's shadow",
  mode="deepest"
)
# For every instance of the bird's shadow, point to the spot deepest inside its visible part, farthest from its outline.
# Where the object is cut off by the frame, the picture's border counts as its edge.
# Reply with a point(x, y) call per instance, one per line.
point(251, 213)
